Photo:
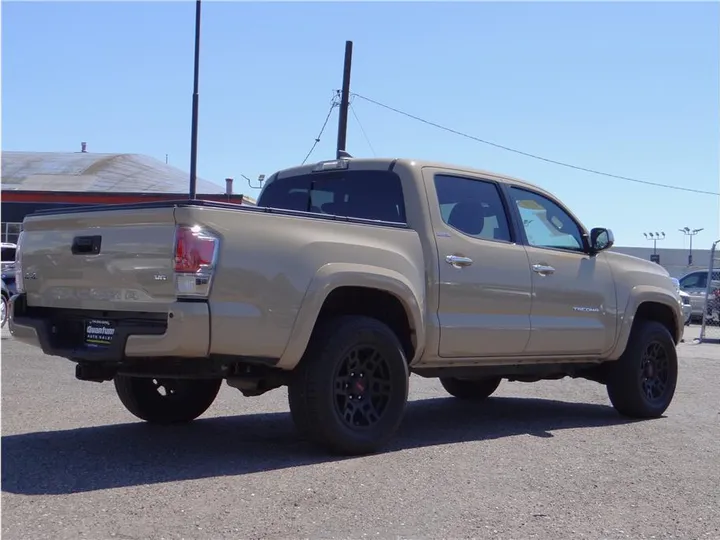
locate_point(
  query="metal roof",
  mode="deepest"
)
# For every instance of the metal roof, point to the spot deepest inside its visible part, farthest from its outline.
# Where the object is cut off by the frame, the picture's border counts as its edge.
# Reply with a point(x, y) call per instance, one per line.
point(84, 171)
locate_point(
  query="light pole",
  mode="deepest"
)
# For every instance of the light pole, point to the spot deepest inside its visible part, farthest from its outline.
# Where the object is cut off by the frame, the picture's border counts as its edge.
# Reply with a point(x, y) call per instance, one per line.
point(655, 237)
point(687, 231)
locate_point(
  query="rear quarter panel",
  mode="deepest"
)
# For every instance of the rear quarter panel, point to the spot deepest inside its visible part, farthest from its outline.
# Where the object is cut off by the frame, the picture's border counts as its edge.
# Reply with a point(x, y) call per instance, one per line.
point(270, 263)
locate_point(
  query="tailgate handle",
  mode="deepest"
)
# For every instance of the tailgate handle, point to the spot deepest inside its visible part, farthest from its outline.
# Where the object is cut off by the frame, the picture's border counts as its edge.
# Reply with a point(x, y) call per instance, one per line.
point(86, 245)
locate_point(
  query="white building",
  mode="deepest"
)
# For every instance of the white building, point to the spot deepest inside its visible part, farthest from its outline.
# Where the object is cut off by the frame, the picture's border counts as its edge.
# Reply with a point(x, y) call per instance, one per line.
point(675, 261)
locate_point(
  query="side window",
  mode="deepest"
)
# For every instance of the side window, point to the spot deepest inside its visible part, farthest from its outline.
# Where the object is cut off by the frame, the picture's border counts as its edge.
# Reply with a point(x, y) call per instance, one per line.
point(546, 224)
point(696, 280)
point(473, 207)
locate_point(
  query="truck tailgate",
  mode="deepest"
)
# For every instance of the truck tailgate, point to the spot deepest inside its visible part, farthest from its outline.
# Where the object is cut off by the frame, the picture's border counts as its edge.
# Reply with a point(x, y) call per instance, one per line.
point(120, 260)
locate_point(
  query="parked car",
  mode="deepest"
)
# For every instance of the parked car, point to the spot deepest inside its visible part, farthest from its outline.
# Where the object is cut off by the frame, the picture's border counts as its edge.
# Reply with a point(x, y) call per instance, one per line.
point(685, 301)
point(8, 265)
point(5, 304)
point(349, 275)
point(695, 284)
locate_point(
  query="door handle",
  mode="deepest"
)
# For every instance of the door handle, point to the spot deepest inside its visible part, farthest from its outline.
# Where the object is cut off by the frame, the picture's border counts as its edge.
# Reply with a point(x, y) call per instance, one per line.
point(543, 269)
point(457, 261)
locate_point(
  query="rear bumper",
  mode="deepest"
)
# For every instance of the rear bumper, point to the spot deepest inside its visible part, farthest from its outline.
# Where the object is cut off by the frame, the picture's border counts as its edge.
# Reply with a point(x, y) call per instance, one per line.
point(184, 331)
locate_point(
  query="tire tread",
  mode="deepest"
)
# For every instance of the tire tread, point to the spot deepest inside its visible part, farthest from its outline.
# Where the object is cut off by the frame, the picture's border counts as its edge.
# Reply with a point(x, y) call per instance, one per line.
point(306, 394)
point(623, 385)
point(133, 394)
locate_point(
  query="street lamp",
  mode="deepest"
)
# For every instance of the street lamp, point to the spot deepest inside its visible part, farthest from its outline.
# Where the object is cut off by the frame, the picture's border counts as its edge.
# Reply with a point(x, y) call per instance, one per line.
point(655, 238)
point(687, 231)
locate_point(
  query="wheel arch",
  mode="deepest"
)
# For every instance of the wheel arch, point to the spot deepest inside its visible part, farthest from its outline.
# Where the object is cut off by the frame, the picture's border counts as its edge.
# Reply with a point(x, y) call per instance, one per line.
point(349, 289)
point(651, 304)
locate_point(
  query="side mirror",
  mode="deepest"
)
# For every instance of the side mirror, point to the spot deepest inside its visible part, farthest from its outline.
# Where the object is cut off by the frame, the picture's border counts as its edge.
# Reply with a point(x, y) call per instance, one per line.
point(601, 239)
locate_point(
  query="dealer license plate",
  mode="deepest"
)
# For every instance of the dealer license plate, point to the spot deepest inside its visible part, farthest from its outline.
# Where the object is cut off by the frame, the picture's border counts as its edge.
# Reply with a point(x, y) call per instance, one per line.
point(99, 332)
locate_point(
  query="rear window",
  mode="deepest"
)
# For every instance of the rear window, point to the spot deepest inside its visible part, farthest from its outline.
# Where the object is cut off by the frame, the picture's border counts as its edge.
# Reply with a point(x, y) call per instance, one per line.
point(375, 195)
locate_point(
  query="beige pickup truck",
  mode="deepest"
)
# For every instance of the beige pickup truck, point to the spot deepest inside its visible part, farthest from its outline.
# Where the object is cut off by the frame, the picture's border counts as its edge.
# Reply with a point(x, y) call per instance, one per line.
point(347, 277)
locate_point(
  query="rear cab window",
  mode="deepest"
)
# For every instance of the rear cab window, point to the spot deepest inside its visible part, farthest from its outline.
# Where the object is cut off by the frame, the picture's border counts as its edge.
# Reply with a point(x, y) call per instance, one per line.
point(363, 194)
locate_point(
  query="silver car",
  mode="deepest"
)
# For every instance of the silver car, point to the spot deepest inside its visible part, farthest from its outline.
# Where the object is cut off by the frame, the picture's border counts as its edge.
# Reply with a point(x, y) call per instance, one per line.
point(695, 284)
point(686, 303)
point(8, 266)
point(4, 307)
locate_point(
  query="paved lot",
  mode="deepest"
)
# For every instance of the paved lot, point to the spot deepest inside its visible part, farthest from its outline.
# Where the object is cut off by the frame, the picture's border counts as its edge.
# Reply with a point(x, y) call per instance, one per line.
point(547, 460)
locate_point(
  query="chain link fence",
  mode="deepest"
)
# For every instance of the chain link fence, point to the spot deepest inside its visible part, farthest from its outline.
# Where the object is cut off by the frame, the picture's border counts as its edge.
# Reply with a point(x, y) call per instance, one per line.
point(710, 331)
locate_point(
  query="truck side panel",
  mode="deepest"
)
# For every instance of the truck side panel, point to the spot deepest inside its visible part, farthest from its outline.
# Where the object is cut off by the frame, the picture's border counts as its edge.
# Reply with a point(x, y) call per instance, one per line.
point(267, 262)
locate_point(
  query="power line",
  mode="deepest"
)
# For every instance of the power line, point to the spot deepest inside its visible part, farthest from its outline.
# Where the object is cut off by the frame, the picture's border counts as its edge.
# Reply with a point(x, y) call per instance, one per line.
point(367, 139)
point(322, 130)
point(534, 156)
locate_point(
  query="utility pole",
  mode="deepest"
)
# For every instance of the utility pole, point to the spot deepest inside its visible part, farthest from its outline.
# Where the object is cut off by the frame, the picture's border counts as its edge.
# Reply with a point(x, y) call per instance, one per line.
point(687, 231)
point(196, 81)
point(655, 237)
point(344, 101)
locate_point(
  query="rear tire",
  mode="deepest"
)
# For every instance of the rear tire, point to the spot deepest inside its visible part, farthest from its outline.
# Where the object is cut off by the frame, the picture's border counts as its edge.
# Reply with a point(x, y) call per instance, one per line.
point(642, 382)
point(183, 400)
point(470, 389)
point(349, 391)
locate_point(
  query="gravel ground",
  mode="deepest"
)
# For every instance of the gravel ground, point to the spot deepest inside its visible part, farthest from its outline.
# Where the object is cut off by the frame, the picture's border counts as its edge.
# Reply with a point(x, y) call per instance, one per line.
point(547, 460)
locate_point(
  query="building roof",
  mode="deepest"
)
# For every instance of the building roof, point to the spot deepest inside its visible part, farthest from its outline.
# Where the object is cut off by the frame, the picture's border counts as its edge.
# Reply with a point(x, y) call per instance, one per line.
point(85, 171)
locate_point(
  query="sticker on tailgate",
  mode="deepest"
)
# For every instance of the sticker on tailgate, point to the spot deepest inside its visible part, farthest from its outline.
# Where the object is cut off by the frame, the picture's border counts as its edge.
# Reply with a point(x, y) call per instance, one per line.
point(99, 333)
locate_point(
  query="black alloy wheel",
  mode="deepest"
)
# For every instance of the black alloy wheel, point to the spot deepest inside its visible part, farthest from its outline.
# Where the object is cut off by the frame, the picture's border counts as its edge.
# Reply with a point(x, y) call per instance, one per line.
point(349, 392)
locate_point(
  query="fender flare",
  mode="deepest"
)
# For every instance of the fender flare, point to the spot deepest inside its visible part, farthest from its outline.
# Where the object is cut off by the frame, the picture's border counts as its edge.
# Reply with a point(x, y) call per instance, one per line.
point(332, 276)
point(639, 295)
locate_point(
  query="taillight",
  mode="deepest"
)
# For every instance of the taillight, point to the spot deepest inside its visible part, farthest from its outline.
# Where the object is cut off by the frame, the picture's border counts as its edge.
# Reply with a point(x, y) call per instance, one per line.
point(195, 255)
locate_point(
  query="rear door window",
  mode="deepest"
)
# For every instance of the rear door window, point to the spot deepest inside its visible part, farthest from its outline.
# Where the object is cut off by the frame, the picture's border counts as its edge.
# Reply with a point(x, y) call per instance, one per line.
point(473, 207)
point(374, 195)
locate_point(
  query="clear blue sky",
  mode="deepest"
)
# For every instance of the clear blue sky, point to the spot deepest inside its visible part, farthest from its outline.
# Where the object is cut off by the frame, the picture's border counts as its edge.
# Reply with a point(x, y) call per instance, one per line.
point(628, 88)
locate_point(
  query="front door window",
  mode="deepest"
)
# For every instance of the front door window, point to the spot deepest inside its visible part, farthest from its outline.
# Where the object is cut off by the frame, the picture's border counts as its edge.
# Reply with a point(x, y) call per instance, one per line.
point(546, 224)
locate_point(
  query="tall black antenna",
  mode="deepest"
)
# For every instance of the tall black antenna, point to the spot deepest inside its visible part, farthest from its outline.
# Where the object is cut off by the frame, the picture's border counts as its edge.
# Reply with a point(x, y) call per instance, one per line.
point(344, 101)
point(194, 129)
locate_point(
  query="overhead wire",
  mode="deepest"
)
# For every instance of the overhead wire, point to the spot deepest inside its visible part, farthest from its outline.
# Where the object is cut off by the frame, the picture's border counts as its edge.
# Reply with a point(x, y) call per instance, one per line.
point(528, 154)
point(362, 129)
point(322, 130)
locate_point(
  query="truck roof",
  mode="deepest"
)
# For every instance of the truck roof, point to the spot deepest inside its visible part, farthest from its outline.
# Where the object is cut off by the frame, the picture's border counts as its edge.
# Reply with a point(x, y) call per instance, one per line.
point(384, 163)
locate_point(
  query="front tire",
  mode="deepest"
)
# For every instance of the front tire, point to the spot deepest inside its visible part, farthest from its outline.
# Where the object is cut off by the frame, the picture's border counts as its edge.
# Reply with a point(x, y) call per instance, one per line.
point(166, 401)
point(470, 389)
point(642, 382)
point(351, 387)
